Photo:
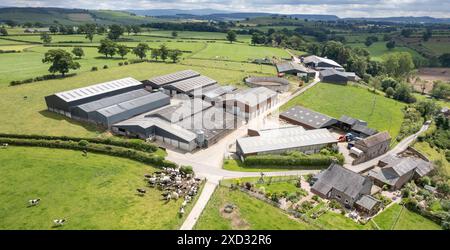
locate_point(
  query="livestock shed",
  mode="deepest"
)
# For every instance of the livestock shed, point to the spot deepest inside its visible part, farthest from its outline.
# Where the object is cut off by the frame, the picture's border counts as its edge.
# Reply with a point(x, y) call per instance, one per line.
point(293, 68)
point(274, 83)
point(127, 109)
point(333, 76)
point(180, 111)
point(213, 95)
point(294, 139)
point(63, 102)
point(307, 118)
point(188, 86)
point(357, 127)
point(249, 103)
point(159, 81)
point(320, 63)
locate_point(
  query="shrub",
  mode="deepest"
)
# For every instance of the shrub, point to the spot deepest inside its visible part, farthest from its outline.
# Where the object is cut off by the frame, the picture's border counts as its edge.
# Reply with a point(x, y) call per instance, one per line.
point(125, 63)
point(335, 204)
point(186, 169)
point(248, 185)
point(105, 66)
point(120, 63)
point(94, 68)
point(291, 160)
point(83, 143)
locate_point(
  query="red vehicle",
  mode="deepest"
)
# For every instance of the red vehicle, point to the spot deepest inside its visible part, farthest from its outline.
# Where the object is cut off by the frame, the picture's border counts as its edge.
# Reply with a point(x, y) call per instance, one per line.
point(342, 138)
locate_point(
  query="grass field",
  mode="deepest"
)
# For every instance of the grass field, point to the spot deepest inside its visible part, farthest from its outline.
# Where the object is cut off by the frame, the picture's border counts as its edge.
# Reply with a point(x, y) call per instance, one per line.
point(438, 46)
point(334, 100)
point(390, 220)
point(94, 192)
point(251, 214)
point(434, 155)
point(378, 49)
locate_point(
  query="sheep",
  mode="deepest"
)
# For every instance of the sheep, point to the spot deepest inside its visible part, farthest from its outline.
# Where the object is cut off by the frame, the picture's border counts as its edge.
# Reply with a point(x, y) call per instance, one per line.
point(175, 195)
point(184, 203)
point(59, 222)
point(5, 145)
point(34, 202)
point(182, 211)
point(141, 191)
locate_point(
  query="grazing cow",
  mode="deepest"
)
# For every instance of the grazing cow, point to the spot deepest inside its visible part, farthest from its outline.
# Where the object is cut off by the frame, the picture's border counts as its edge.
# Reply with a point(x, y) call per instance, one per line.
point(59, 222)
point(141, 191)
point(34, 202)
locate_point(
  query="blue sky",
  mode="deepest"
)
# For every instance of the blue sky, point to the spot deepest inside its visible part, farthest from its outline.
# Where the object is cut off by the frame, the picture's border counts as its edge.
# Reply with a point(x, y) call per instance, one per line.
point(341, 8)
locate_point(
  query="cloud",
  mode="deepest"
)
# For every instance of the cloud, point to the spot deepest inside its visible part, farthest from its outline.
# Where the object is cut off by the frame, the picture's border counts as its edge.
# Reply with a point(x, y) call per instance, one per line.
point(341, 8)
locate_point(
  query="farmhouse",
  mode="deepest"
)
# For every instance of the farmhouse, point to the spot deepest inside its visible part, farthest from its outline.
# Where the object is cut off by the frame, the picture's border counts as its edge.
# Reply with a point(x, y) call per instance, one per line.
point(274, 83)
point(160, 81)
point(358, 127)
point(320, 63)
point(336, 76)
point(293, 68)
point(307, 118)
point(343, 185)
point(372, 146)
point(63, 102)
point(276, 141)
point(249, 103)
point(395, 171)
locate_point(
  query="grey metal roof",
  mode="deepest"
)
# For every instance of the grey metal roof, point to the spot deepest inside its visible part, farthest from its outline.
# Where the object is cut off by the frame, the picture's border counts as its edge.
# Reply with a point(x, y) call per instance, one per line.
point(306, 116)
point(317, 59)
point(330, 72)
point(364, 129)
point(174, 77)
point(292, 66)
point(222, 90)
point(286, 131)
point(180, 111)
point(348, 120)
point(97, 89)
point(191, 84)
point(267, 81)
point(257, 144)
point(367, 201)
point(341, 179)
point(108, 101)
point(131, 104)
point(251, 96)
point(374, 140)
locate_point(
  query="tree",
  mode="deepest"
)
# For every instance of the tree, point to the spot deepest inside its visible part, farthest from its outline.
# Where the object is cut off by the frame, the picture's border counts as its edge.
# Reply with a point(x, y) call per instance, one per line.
point(3, 31)
point(122, 50)
point(46, 38)
point(61, 60)
point(390, 92)
point(440, 90)
point(136, 29)
point(444, 59)
point(427, 108)
point(403, 93)
point(53, 29)
point(107, 47)
point(398, 64)
point(11, 23)
point(90, 30)
point(101, 30)
point(78, 51)
point(390, 45)
point(163, 52)
point(427, 35)
point(174, 34)
point(155, 54)
point(407, 32)
point(231, 36)
point(141, 50)
point(388, 83)
point(258, 38)
point(115, 31)
point(370, 40)
point(128, 29)
point(374, 68)
point(174, 55)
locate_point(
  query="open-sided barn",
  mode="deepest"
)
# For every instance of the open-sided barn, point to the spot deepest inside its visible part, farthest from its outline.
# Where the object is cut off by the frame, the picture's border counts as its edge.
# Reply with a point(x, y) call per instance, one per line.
point(159, 81)
point(307, 118)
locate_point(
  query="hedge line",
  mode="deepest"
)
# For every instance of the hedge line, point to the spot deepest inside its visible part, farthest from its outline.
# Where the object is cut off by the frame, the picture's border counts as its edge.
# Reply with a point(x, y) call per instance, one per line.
point(148, 158)
point(135, 144)
point(289, 160)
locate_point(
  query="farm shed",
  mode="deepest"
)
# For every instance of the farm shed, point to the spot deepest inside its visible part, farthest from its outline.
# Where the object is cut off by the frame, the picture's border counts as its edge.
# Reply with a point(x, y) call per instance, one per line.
point(399, 170)
point(333, 76)
point(249, 103)
point(342, 185)
point(358, 127)
point(270, 142)
point(180, 111)
point(373, 146)
point(159, 81)
point(63, 102)
point(213, 95)
point(307, 118)
point(274, 83)
point(318, 62)
point(368, 205)
point(84, 111)
point(293, 68)
point(125, 110)
point(188, 86)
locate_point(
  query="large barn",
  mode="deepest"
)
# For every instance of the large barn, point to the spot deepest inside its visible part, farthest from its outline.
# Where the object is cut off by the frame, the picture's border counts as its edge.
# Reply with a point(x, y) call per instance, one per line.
point(63, 102)
point(160, 81)
point(307, 118)
point(320, 63)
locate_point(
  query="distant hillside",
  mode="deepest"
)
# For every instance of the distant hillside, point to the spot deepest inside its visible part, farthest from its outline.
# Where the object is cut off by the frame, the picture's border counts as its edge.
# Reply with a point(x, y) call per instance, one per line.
point(406, 19)
point(48, 16)
point(174, 12)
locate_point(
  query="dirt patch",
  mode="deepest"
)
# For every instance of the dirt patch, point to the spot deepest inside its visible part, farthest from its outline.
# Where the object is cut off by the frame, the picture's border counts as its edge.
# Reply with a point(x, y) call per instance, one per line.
point(426, 77)
point(237, 222)
point(80, 17)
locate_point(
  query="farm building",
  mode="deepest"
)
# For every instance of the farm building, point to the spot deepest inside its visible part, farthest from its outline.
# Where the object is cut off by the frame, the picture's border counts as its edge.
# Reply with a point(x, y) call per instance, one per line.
point(358, 127)
point(276, 141)
point(372, 146)
point(307, 118)
point(320, 63)
point(249, 103)
point(395, 171)
point(188, 86)
point(127, 109)
point(213, 95)
point(335, 76)
point(343, 185)
point(159, 81)
point(368, 205)
point(293, 68)
point(274, 83)
point(186, 126)
point(63, 102)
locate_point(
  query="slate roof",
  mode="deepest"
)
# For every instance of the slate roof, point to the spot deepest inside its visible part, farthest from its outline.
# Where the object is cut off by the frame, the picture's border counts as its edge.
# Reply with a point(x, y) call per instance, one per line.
point(367, 201)
point(306, 116)
point(374, 140)
point(174, 77)
point(341, 179)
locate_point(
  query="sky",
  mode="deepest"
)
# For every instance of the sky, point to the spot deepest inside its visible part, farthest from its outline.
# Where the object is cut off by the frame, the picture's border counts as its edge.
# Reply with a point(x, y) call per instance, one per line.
point(341, 8)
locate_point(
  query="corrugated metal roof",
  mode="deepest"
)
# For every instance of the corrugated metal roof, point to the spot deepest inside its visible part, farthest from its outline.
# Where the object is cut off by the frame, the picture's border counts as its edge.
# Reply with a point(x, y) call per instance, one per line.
point(132, 104)
point(282, 131)
point(222, 90)
point(318, 59)
point(180, 111)
point(174, 77)
point(258, 144)
point(108, 101)
point(97, 89)
point(251, 96)
point(289, 66)
point(191, 84)
point(308, 117)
